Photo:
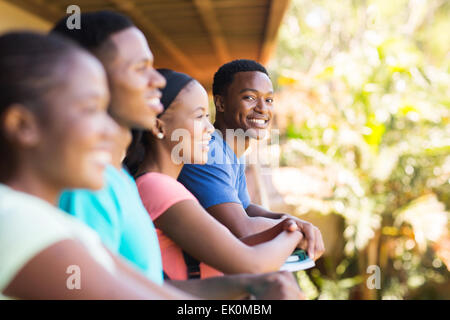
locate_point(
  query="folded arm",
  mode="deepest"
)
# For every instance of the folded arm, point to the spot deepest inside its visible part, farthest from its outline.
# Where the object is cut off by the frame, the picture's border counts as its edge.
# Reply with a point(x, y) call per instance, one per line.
point(203, 237)
point(270, 286)
point(44, 277)
point(312, 240)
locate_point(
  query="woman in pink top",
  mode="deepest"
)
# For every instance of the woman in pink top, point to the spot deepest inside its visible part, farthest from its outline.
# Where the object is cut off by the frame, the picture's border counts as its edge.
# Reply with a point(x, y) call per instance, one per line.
point(185, 229)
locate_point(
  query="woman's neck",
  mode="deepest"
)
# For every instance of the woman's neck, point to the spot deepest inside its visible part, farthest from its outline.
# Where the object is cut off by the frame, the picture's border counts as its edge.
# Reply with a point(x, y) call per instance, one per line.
point(30, 182)
point(160, 161)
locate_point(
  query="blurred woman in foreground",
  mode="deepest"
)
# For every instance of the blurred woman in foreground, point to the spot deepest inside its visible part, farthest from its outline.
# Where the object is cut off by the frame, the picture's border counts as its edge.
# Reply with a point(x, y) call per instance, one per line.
point(55, 134)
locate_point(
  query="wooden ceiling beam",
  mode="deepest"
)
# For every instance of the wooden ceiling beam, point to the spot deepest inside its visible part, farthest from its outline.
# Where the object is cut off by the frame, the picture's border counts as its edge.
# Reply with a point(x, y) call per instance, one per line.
point(206, 10)
point(239, 3)
point(276, 13)
point(40, 8)
point(164, 40)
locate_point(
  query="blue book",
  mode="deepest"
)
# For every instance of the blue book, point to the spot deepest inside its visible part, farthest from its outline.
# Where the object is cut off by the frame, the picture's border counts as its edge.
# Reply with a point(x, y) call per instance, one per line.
point(299, 260)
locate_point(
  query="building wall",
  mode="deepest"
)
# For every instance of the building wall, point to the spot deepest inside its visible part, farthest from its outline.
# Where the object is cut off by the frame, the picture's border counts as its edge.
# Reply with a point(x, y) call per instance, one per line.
point(14, 18)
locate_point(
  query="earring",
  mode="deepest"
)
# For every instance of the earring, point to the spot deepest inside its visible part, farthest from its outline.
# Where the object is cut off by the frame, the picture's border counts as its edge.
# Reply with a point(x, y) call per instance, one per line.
point(160, 135)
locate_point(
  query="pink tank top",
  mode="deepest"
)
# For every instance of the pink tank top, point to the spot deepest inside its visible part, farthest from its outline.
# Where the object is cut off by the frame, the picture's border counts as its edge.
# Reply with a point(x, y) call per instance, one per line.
point(159, 192)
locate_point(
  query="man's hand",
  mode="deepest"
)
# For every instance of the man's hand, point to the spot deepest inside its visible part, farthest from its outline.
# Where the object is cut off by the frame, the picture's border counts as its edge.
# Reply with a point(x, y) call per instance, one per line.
point(290, 225)
point(280, 285)
point(312, 241)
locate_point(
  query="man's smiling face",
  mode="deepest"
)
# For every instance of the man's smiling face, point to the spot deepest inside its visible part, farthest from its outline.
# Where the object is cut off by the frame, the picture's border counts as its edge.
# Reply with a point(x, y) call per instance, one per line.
point(247, 103)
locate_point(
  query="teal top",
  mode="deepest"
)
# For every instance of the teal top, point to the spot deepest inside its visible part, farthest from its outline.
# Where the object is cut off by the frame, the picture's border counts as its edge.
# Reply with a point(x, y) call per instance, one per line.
point(117, 214)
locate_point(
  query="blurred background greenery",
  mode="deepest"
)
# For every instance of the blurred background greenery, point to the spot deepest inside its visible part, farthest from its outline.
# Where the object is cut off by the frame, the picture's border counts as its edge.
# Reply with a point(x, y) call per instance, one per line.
point(363, 106)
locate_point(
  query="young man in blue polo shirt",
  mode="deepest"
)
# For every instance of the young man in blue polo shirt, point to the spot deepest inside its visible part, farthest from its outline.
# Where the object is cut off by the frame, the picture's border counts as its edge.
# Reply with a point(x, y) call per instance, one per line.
point(243, 96)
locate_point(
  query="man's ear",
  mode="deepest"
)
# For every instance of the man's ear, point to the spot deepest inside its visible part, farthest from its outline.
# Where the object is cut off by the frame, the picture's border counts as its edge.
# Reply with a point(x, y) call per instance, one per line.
point(21, 125)
point(219, 103)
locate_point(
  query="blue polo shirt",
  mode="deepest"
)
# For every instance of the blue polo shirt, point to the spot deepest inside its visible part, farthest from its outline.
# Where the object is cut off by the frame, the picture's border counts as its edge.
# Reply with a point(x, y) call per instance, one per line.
point(117, 214)
point(221, 180)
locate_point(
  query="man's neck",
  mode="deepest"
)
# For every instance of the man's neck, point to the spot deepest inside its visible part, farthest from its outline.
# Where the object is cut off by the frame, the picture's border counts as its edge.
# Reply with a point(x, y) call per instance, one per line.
point(238, 143)
point(123, 140)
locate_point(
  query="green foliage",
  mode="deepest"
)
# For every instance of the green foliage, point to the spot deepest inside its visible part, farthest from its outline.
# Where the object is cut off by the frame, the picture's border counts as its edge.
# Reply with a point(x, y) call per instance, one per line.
point(375, 86)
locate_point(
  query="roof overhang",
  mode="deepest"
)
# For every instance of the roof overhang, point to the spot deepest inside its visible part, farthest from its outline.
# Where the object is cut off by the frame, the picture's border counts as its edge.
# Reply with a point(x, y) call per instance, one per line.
point(192, 36)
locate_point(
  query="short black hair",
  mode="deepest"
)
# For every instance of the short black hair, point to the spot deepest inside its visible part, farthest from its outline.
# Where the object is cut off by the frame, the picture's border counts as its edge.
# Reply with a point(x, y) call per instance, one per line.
point(30, 68)
point(95, 29)
point(224, 76)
